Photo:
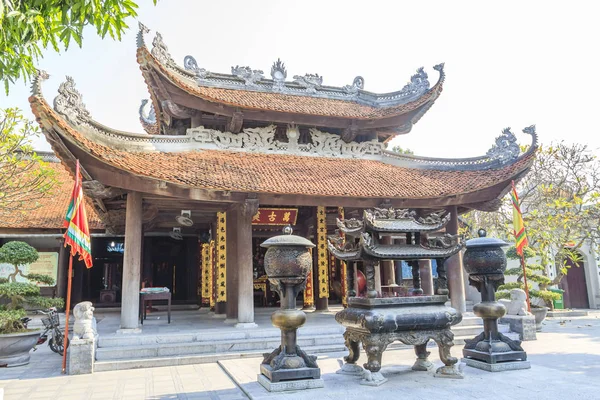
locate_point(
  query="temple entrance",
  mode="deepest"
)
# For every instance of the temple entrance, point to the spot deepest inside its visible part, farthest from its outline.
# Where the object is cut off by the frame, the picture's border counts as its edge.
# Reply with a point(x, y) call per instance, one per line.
point(575, 286)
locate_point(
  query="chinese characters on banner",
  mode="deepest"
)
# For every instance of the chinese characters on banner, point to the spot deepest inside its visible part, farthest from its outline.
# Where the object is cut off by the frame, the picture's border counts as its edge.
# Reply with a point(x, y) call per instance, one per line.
point(275, 216)
point(207, 272)
point(322, 257)
point(221, 257)
point(343, 266)
point(309, 299)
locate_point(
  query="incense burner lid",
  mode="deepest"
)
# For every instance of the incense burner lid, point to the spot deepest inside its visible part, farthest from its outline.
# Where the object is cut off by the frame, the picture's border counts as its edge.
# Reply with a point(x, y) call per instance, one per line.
point(484, 256)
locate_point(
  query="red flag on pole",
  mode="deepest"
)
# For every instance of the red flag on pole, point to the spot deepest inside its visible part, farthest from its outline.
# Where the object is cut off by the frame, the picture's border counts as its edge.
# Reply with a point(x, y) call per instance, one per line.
point(78, 232)
point(78, 237)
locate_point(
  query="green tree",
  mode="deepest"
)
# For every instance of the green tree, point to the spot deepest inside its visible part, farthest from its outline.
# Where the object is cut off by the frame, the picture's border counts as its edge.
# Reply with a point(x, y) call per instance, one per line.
point(400, 150)
point(24, 177)
point(29, 26)
point(560, 202)
point(17, 254)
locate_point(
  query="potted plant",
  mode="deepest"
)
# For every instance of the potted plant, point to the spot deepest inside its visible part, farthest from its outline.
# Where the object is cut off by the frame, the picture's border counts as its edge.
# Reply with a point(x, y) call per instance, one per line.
point(536, 273)
point(16, 341)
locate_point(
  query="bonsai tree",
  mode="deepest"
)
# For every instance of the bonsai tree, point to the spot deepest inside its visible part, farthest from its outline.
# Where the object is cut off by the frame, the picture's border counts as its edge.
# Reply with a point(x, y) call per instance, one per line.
point(17, 254)
point(18, 294)
point(535, 273)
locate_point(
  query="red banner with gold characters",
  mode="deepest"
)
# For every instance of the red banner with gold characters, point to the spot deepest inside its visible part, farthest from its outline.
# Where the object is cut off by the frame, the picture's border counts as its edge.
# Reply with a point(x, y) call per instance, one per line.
point(343, 266)
point(322, 257)
point(275, 216)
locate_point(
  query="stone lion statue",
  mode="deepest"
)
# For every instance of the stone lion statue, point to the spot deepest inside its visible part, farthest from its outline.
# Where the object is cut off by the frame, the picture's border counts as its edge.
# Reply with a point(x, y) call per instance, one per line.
point(517, 305)
point(84, 321)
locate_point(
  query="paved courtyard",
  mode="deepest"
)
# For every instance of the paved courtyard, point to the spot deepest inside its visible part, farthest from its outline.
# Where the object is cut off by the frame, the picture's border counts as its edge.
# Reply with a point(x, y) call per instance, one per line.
point(565, 365)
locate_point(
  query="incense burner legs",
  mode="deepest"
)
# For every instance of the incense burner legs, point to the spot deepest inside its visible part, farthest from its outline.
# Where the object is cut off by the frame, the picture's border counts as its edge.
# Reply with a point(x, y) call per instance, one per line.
point(375, 344)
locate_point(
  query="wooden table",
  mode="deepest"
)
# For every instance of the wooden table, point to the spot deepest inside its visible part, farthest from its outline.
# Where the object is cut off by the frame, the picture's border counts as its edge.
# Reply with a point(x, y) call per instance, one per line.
point(154, 296)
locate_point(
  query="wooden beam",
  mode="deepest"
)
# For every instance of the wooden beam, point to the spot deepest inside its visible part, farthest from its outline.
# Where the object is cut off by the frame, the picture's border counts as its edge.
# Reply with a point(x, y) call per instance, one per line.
point(235, 122)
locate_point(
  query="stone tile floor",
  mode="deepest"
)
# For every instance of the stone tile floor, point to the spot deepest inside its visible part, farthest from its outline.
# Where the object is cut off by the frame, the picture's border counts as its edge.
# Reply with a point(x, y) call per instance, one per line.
point(565, 365)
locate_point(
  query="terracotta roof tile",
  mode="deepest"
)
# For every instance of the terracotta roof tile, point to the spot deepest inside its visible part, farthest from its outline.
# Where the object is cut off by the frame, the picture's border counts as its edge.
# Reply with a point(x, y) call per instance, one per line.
point(50, 211)
point(288, 174)
point(288, 103)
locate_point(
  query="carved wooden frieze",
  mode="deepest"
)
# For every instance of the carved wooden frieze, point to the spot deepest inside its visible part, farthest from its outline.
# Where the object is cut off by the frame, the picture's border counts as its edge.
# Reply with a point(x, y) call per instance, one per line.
point(263, 140)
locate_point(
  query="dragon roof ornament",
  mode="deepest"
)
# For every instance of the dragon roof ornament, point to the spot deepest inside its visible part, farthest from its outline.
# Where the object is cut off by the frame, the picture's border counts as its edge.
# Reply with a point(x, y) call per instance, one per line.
point(249, 75)
point(149, 117)
point(505, 150)
point(160, 51)
point(69, 103)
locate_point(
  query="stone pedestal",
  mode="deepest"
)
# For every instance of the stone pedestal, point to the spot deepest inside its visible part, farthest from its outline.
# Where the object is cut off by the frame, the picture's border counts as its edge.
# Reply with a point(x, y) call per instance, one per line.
point(524, 325)
point(82, 353)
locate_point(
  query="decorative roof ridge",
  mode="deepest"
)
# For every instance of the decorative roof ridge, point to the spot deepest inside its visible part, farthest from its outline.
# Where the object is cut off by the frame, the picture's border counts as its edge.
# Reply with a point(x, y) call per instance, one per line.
point(504, 151)
point(308, 85)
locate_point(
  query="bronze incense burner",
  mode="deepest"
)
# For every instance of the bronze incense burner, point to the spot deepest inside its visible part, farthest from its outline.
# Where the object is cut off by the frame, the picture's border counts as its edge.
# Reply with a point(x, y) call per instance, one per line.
point(287, 263)
point(485, 262)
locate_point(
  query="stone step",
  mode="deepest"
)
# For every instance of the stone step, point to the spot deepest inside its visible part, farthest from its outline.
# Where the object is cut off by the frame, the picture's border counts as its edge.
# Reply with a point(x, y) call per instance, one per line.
point(209, 347)
point(470, 320)
point(106, 341)
point(474, 330)
point(113, 365)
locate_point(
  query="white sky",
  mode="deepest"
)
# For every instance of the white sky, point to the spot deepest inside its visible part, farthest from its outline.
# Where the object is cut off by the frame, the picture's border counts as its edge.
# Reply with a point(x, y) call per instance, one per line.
point(511, 63)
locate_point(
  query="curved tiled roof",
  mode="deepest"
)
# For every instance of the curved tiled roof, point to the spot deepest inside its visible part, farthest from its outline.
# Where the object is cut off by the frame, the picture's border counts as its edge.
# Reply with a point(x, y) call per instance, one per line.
point(286, 174)
point(49, 212)
point(281, 102)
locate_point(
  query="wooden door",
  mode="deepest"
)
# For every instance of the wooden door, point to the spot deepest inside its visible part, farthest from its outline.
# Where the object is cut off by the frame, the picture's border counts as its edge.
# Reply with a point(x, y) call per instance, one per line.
point(575, 287)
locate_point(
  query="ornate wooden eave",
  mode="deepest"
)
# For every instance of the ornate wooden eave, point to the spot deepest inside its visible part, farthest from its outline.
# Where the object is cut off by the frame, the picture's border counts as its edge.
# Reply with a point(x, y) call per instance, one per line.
point(304, 101)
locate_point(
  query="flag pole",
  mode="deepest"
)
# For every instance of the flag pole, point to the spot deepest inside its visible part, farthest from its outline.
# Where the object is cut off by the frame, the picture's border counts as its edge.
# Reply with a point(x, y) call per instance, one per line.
point(67, 310)
point(525, 280)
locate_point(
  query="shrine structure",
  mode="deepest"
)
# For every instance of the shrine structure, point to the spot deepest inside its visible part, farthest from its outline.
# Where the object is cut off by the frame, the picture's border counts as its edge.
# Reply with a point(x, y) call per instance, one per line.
point(224, 156)
point(410, 317)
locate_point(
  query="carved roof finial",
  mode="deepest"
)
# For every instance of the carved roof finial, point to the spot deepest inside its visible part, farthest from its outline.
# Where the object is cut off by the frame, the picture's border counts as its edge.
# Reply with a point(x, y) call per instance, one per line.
point(160, 51)
point(311, 82)
point(505, 148)
point(36, 83)
point(140, 35)
point(530, 130)
point(69, 103)
point(440, 68)
point(278, 74)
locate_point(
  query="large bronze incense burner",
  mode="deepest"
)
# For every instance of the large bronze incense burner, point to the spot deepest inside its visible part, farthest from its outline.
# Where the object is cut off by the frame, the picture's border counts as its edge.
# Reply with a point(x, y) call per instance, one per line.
point(377, 321)
point(485, 262)
point(287, 263)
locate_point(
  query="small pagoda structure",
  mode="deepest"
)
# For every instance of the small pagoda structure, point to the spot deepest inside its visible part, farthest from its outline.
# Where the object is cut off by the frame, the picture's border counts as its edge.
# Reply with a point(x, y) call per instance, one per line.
point(414, 319)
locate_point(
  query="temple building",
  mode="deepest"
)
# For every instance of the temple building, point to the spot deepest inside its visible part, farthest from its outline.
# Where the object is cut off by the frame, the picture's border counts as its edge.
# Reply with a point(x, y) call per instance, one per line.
point(227, 159)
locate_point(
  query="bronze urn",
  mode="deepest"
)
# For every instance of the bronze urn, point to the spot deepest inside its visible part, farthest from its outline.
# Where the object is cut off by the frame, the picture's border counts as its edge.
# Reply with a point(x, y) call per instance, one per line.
point(485, 262)
point(287, 263)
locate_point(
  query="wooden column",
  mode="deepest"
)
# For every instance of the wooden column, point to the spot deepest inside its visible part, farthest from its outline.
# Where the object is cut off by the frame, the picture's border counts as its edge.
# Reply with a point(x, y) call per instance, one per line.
point(454, 269)
point(389, 275)
point(426, 277)
point(61, 276)
point(132, 257)
point(246, 211)
point(232, 266)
